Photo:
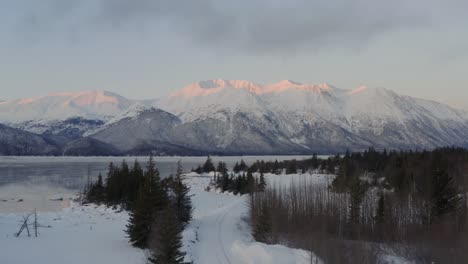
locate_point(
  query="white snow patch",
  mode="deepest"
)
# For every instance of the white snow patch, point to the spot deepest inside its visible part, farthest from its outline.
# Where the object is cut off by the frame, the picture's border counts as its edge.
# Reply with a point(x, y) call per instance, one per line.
point(79, 234)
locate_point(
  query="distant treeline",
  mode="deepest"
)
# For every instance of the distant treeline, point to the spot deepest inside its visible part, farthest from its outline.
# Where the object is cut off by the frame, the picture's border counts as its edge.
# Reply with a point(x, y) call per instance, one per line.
point(237, 182)
point(413, 204)
point(159, 208)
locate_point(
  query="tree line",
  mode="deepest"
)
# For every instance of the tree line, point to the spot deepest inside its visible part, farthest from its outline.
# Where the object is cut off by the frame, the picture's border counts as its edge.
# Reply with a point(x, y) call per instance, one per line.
point(239, 181)
point(411, 203)
point(159, 209)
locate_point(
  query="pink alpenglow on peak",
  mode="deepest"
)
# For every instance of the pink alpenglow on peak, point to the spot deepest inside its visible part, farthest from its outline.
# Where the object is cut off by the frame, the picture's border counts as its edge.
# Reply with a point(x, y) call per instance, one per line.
point(88, 98)
point(358, 90)
point(209, 87)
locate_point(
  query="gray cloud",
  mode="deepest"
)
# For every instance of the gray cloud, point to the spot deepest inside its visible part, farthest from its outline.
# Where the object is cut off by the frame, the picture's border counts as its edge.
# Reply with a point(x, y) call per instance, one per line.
point(256, 26)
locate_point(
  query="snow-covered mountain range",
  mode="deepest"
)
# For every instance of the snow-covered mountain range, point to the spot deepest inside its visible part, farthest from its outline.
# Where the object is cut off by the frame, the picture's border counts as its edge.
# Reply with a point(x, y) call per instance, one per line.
point(240, 117)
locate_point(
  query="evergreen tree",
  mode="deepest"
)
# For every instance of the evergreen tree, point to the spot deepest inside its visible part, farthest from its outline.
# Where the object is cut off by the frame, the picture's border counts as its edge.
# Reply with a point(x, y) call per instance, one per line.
point(236, 168)
point(110, 184)
point(208, 166)
point(96, 192)
point(243, 166)
point(262, 183)
point(445, 199)
point(222, 168)
point(152, 198)
point(167, 239)
point(180, 168)
point(199, 169)
point(380, 211)
point(132, 185)
point(292, 167)
point(141, 217)
point(357, 192)
point(250, 183)
point(182, 201)
point(276, 168)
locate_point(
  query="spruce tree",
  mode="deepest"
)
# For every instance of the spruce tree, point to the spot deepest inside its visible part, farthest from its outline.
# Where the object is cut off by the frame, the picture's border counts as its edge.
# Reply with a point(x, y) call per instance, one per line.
point(208, 166)
point(182, 201)
point(250, 182)
point(152, 198)
point(357, 192)
point(167, 239)
point(236, 168)
point(100, 190)
point(110, 184)
point(379, 217)
point(262, 183)
point(132, 185)
point(444, 198)
point(141, 217)
point(243, 166)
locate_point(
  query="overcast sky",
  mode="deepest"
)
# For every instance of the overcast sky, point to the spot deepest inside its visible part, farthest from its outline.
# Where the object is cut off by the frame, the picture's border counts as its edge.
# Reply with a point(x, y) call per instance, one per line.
point(148, 48)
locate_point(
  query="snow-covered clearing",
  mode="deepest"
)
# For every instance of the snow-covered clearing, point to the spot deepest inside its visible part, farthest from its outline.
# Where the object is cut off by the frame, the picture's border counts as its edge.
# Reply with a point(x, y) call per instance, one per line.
point(218, 234)
point(78, 234)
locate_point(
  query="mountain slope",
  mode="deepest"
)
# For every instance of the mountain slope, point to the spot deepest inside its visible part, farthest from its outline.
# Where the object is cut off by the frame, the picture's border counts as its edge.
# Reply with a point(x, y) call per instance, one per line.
point(241, 117)
point(17, 142)
point(322, 117)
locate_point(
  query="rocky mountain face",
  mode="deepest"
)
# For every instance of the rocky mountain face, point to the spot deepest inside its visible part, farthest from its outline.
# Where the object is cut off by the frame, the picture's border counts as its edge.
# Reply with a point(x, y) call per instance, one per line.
point(240, 117)
point(17, 142)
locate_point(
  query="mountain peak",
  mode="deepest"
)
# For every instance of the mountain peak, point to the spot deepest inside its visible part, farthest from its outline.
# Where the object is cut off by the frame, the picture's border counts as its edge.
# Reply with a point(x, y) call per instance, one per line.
point(208, 87)
point(62, 105)
point(289, 82)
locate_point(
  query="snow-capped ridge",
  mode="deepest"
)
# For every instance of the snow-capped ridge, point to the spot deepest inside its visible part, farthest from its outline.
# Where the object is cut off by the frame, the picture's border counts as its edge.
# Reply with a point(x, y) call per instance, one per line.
point(133, 112)
point(209, 87)
point(60, 106)
point(360, 89)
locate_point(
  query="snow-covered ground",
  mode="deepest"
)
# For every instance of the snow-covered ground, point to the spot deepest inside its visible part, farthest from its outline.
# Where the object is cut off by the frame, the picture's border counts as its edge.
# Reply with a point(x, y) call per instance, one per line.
point(218, 234)
point(78, 234)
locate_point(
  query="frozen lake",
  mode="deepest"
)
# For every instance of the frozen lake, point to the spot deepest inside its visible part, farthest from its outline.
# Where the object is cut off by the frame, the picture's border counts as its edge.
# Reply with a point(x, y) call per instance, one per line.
point(27, 183)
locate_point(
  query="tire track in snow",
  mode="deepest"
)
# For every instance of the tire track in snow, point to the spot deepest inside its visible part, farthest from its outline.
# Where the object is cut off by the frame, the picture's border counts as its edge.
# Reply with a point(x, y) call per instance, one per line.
point(222, 217)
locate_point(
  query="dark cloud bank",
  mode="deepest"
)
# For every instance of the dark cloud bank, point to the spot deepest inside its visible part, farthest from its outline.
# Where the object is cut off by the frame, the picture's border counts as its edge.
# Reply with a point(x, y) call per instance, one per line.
point(247, 25)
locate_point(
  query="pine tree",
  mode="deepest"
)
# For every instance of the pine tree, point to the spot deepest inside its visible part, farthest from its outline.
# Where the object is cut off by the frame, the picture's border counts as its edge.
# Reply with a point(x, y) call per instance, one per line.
point(167, 239)
point(96, 192)
point(236, 168)
point(262, 183)
point(199, 169)
point(134, 180)
point(208, 166)
point(152, 198)
point(379, 217)
point(180, 168)
point(243, 166)
point(250, 182)
point(110, 184)
point(182, 201)
point(357, 192)
point(141, 217)
point(276, 168)
point(444, 198)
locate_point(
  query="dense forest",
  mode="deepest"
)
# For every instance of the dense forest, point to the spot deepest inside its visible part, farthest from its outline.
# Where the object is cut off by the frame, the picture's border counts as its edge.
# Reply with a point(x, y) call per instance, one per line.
point(412, 204)
point(159, 208)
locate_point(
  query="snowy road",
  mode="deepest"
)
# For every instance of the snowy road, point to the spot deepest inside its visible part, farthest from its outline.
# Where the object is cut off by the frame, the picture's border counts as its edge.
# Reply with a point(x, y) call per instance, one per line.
point(219, 233)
